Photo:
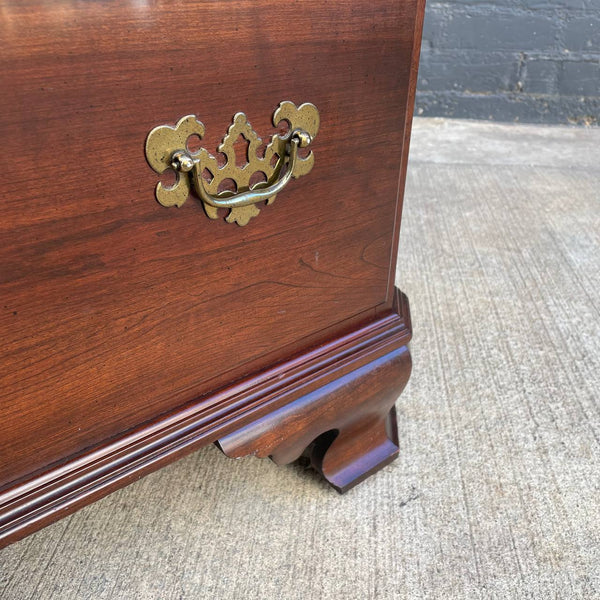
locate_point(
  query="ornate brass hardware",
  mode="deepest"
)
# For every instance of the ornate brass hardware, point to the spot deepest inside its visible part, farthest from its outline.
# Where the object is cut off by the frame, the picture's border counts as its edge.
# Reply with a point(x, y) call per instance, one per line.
point(166, 148)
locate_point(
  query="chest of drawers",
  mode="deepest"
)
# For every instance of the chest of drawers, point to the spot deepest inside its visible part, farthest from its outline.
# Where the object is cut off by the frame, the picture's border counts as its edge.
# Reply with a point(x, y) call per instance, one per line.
point(139, 322)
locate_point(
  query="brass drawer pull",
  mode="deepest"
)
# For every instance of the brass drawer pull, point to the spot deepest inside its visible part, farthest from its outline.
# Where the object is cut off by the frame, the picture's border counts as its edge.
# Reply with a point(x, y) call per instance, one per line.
point(167, 147)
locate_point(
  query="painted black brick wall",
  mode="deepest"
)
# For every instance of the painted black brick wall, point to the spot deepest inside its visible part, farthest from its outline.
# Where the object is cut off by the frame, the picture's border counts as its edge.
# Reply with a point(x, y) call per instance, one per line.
point(511, 60)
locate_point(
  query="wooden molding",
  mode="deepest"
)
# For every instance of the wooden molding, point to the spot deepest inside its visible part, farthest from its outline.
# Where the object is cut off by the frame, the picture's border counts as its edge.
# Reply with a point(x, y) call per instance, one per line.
point(347, 365)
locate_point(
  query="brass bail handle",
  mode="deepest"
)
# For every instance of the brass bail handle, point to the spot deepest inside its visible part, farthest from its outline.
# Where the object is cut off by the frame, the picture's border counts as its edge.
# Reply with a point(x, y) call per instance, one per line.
point(183, 162)
point(166, 148)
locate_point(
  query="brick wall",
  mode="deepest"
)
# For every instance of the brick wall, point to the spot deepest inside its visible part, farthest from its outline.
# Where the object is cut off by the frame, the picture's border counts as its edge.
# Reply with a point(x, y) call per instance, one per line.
point(511, 60)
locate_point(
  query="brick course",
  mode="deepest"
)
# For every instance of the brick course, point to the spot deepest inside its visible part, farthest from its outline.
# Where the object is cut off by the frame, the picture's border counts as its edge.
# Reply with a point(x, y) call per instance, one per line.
point(522, 60)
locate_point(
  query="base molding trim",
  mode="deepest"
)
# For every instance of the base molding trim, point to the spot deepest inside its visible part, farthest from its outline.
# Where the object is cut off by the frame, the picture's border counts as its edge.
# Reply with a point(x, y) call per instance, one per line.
point(348, 385)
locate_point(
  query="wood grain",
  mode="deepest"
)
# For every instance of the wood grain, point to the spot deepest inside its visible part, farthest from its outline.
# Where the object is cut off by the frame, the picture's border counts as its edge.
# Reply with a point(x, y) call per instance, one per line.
point(117, 313)
point(115, 309)
point(62, 489)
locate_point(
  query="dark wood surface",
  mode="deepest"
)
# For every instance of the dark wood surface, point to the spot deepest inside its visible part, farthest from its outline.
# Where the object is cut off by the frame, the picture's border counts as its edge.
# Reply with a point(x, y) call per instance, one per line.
point(348, 425)
point(64, 488)
point(115, 310)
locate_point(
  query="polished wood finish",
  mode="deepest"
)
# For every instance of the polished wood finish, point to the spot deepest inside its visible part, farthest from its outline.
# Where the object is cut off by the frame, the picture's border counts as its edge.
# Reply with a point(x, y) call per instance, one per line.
point(350, 424)
point(64, 488)
point(119, 317)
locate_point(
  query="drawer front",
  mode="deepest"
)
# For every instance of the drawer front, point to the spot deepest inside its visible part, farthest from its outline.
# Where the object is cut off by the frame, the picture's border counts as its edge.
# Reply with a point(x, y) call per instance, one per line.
point(116, 309)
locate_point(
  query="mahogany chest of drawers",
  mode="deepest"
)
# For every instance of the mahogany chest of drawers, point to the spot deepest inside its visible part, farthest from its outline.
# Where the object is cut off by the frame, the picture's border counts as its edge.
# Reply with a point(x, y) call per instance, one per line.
point(200, 213)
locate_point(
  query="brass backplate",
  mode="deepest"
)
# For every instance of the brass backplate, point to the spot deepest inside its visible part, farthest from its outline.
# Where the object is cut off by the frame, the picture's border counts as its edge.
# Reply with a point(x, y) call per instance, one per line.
point(166, 148)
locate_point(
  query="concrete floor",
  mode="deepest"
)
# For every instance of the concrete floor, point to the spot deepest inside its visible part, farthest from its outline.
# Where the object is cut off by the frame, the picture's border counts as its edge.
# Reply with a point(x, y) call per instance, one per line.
point(496, 492)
